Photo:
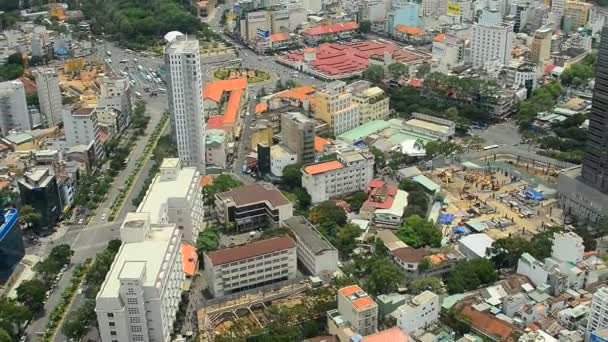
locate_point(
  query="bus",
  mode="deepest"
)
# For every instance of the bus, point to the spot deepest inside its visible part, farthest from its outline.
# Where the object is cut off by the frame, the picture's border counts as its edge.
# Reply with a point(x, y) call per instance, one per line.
point(490, 147)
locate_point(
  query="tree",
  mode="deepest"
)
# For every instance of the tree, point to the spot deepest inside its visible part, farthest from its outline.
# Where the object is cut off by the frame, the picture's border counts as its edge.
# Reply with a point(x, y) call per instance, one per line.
point(365, 26)
point(425, 284)
point(15, 59)
point(423, 69)
point(327, 213)
point(221, 183)
point(356, 200)
point(471, 274)
point(292, 176)
point(279, 86)
point(29, 217)
point(74, 329)
point(208, 241)
point(346, 236)
point(303, 197)
point(398, 69)
point(506, 252)
point(4, 336)
point(374, 73)
point(31, 293)
point(441, 148)
point(290, 84)
point(379, 159)
point(262, 92)
point(384, 276)
point(418, 232)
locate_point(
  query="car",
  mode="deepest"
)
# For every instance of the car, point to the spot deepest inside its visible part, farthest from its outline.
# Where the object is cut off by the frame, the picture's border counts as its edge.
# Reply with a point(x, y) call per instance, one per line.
point(47, 294)
point(81, 221)
point(103, 217)
point(79, 290)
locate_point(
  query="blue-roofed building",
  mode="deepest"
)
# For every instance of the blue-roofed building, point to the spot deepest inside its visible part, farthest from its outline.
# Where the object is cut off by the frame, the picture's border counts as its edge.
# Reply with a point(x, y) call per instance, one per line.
point(12, 249)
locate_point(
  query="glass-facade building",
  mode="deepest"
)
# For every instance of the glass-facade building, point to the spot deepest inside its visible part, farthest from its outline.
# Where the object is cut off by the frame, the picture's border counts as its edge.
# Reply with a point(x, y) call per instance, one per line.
point(12, 249)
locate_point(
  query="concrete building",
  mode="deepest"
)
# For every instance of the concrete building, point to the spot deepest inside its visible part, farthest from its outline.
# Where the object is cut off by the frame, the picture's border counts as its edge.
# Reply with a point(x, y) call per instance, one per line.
point(318, 255)
point(281, 157)
point(255, 264)
point(215, 148)
point(568, 247)
point(139, 298)
point(351, 172)
point(419, 313)
point(359, 309)
point(175, 196)
point(254, 22)
point(475, 245)
point(14, 114)
point(12, 248)
point(576, 14)
point(252, 206)
point(540, 51)
point(336, 107)
point(185, 86)
point(298, 135)
point(49, 96)
point(519, 75)
point(116, 94)
point(373, 104)
point(403, 14)
point(448, 50)
point(432, 126)
point(491, 42)
point(81, 128)
point(38, 188)
point(598, 315)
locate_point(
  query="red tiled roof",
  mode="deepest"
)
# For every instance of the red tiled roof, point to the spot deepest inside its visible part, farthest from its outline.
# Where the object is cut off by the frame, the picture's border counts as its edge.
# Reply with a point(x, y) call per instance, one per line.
point(320, 144)
point(440, 37)
point(488, 324)
point(409, 254)
point(189, 259)
point(232, 108)
point(363, 303)
point(350, 290)
point(549, 68)
point(376, 183)
point(279, 37)
point(416, 83)
point(323, 167)
point(228, 255)
point(28, 85)
point(261, 108)
point(393, 334)
point(214, 90)
point(206, 180)
point(103, 136)
point(299, 93)
point(215, 122)
point(409, 30)
point(336, 28)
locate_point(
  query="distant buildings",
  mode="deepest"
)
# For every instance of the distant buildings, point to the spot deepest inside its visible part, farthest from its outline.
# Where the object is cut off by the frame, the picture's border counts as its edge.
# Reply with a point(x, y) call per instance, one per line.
point(373, 103)
point(351, 172)
point(175, 196)
point(49, 96)
point(14, 114)
point(448, 50)
point(576, 14)
point(38, 188)
point(81, 128)
point(185, 86)
point(475, 245)
point(318, 255)
point(224, 103)
point(419, 313)
point(337, 31)
point(216, 150)
point(139, 298)
point(12, 249)
point(252, 206)
point(259, 263)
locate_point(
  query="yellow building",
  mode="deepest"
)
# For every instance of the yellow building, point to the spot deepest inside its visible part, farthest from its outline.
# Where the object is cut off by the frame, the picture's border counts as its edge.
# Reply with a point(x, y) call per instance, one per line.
point(373, 104)
point(577, 12)
point(335, 106)
point(540, 50)
point(261, 133)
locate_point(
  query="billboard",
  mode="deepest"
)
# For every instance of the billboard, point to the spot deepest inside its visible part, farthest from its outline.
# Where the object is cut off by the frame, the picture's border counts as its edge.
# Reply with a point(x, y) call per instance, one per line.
point(263, 34)
point(453, 9)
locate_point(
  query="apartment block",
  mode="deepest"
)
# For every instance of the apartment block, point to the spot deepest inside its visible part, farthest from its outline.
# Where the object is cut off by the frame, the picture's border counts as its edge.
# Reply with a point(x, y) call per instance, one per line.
point(351, 172)
point(317, 254)
point(175, 196)
point(420, 312)
point(298, 135)
point(116, 95)
point(49, 96)
point(598, 315)
point(14, 114)
point(336, 107)
point(373, 104)
point(540, 51)
point(359, 309)
point(568, 247)
point(139, 298)
point(237, 269)
point(576, 13)
point(491, 42)
point(252, 206)
point(81, 128)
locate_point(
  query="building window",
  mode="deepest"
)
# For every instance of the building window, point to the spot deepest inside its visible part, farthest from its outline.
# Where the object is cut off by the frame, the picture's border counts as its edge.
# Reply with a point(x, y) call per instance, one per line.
point(134, 320)
point(136, 328)
point(110, 315)
point(133, 311)
point(138, 337)
point(113, 333)
point(112, 324)
point(132, 301)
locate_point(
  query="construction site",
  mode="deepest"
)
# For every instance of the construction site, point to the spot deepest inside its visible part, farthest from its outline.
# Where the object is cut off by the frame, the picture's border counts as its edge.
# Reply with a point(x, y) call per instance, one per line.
point(79, 77)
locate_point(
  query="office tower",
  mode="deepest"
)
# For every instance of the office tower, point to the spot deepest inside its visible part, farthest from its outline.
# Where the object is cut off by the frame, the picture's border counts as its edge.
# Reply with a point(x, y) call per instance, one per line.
point(491, 41)
point(541, 44)
point(38, 188)
point(595, 163)
point(185, 80)
point(298, 135)
point(81, 128)
point(13, 108)
point(11, 243)
point(336, 107)
point(139, 298)
point(49, 96)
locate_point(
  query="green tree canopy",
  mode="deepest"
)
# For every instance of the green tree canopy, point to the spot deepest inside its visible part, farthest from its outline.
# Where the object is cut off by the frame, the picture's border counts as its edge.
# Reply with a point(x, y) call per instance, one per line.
point(31, 293)
point(432, 284)
point(356, 200)
point(292, 176)
point(374, 73)
point(208, 241)
point(471, 274)
point(398, 69)
point(418, 232)
point(345, 238)
point(221, 183)
point(365, 26)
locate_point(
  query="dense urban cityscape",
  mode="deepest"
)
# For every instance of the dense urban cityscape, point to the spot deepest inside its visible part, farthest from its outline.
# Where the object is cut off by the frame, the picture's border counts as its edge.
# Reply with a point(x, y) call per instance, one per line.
point(305, 170)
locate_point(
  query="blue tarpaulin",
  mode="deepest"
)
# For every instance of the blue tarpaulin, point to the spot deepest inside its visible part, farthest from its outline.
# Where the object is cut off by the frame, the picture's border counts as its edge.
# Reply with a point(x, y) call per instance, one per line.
point(446, 218)
point(461, 230)
point(360, 144)
point(535, 195)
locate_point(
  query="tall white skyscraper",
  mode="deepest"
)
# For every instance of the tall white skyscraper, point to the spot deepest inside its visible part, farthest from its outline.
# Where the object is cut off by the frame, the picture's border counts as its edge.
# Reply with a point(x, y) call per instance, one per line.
point(598, 316)
point(185, 80)
point(13, 108)
point(49, 96)
point(491, 41)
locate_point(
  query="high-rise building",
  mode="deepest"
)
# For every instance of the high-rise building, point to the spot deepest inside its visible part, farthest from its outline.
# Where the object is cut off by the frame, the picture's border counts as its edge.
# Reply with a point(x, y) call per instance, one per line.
point(336, 107)
point(373, 104)
point(541, 44)
point(49, 95)
point(595, 163)
point(491, 42)
point(13, 108)
point(298, 135)
point(38, 188)
point(139, 298)
point(185, 88)
point(81, 128)
point(576, 13)
point(116, 94)
point(12, 249)
point(598, 316)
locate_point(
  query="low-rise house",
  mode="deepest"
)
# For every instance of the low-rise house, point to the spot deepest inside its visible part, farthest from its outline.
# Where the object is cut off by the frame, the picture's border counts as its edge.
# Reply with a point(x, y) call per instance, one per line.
point(420, 312)
point(317, 254)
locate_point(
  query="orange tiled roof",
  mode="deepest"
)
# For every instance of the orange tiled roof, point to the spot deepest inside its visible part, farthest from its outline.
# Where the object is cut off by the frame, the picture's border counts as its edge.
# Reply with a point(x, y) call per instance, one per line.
point(323, 167)
point(349, 290)
point(261, 108)
point(440, 37)
point(363, 303)
point(320, 144)
point(299, 93)
point(189, 259)
point(409, 30)
point(488, 324)
point(279, 37)
point(232, 108)
point(393, 334)
point(214, 90)
point(206, 180)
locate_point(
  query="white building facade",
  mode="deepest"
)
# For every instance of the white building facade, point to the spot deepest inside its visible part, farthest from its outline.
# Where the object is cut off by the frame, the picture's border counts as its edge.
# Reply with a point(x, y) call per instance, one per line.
point(491, 42)
point(13, 108)
point(139, 298)
point(420, 312)
point(314, 251)
point(598, 315)
point(116, 94)
point(351, 172)
point(568, 247)
point(49, 96)
point(185, 86)
point(81, 128)
point(357, 308)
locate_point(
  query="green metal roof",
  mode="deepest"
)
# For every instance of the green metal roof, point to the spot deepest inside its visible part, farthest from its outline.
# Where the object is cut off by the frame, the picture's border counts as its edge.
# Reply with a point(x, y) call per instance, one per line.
point(427, 183)
point(363, 131)
point(19, 139)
